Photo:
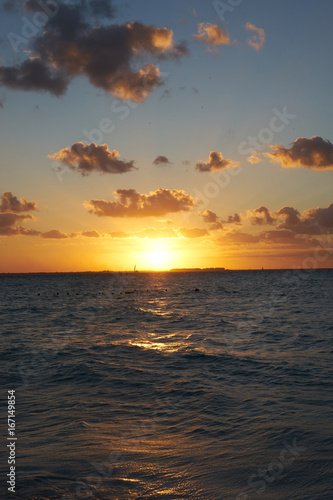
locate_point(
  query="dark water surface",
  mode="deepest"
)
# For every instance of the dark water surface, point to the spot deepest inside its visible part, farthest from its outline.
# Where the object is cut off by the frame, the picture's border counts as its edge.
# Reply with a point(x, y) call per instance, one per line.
point(139, 386)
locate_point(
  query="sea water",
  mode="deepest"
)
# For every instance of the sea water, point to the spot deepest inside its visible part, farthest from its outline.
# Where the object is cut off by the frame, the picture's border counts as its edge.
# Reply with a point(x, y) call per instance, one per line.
point(182, 385)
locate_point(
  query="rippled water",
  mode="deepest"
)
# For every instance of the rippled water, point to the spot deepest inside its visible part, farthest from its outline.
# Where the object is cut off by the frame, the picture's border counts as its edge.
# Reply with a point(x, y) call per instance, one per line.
point(169, 385)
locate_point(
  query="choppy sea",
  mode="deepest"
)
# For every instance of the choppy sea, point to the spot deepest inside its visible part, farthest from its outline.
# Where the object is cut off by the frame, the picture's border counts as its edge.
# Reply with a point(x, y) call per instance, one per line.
point(190, 385)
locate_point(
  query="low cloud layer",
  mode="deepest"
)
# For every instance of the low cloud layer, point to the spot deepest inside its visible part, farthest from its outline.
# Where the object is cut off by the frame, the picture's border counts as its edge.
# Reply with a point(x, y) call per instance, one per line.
point(215, 162)
point(107, 55)
point(212, 34)
point(92, 158)
point(258, 39)
point(130, 203)
point(315, 153)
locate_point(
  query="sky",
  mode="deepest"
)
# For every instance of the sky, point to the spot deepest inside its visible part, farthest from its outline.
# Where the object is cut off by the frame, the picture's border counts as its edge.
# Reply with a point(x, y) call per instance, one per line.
point(165, 135)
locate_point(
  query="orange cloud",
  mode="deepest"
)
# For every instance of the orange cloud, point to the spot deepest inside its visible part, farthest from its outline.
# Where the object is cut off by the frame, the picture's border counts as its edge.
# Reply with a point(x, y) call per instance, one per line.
point(130, 203)
point(215, 162)
point(254, 158)
point(313, 153)
point(258, 39)
point(194, 232)
point(212, 34)
point(92, 158)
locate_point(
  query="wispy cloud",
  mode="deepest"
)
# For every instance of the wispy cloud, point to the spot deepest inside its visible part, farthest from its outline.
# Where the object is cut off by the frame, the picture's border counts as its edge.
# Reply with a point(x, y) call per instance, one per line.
point(258, 39)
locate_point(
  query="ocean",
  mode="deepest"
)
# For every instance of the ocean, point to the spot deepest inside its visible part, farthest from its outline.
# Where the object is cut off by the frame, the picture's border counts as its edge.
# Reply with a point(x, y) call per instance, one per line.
point(180, 385)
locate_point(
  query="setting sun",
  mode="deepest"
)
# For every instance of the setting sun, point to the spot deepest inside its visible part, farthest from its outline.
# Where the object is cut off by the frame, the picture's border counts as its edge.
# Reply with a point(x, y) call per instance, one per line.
point(157, 256)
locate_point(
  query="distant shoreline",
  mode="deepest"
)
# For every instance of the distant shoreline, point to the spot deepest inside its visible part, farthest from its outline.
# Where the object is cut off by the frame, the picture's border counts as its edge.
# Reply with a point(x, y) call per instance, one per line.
point(180, 270)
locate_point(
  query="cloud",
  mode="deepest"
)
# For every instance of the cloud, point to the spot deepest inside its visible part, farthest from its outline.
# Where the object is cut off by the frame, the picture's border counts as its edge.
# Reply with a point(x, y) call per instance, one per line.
point(311, 221)
point(261, 216)
point(2, 99)
point(90, 234)
point(254, 158)
point(33, 74)
point(215, 162)
point(286, 237)
point(161, 160)
point(234, 219)
point(92, 158)
point(10, 203)
point(313, 153)
point(258, 39)
point(8, 219)
point(209, 216)
point(54, 234)
point(107, 55)
point(130, 203)
point(212, 219)
point(240, 238)
point(194, 232)
point(212, 34)
point(321, 216)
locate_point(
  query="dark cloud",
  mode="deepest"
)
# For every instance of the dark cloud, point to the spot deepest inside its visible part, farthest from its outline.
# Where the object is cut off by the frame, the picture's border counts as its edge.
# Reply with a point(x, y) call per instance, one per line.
point(106, 55)
point(321, 216)
point(292, 216)
point(33, 74)
point(234, 219)
point(262, 216)
point(92, 158)
point(130, 203)
point(54, 234)
point(10, 203)
point(8, 219)
point(313, 153)
point(215, 162)
point(240, 238)
point(287, 238)
point(2, 99)
point(209, 216)
point(90, 234)
point(313, 221)
point(161, 160)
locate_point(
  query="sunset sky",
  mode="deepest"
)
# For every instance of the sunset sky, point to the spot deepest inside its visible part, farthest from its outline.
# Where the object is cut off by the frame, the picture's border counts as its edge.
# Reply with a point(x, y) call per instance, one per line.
point(165, 134)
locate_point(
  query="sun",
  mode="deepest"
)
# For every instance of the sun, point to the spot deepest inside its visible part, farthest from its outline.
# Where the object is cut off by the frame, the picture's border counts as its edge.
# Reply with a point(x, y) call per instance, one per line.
point(157, 256)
